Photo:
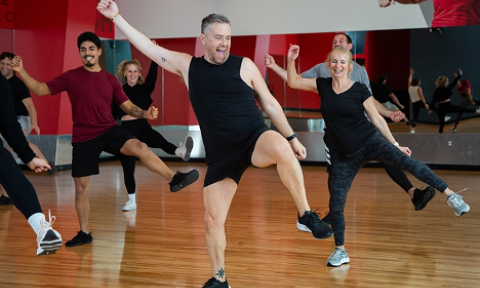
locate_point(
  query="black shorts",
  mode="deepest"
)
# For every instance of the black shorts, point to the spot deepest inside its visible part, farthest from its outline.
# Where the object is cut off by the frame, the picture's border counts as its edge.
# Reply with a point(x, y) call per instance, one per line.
point(86, 154)
point(233, 163)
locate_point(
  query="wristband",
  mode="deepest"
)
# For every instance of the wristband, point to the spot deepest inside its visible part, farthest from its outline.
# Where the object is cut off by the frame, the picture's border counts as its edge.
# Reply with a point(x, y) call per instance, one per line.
point(113, 18)
point(291, 137)
point(396, 144)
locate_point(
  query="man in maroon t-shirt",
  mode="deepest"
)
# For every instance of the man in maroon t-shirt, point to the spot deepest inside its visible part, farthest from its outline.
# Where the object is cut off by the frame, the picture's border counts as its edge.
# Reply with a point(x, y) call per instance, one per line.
point(91, 91)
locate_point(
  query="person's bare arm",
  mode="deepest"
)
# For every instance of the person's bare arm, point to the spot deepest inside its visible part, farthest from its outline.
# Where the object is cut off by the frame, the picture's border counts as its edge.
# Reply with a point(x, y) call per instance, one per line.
point(381, 125)
point(38, 88)
point(251, 75)
point(135, 111)
point(32, 112)
point(172, 61)
point(270, 63)
point(395, 116)
point(295, 80)
point(422, 98)
point(395, 100)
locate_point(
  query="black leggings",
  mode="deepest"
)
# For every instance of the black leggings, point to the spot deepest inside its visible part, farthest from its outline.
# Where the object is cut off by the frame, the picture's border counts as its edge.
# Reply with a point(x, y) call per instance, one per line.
point(477, 102)
point(142, 130)
point(19, 189)
point(416, 110)
point(345, 170)
point(446, 107)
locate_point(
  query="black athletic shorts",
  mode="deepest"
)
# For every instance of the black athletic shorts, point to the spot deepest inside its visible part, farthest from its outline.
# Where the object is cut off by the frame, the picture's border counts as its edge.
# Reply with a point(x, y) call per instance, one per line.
point(233, 163)
point(86, 155)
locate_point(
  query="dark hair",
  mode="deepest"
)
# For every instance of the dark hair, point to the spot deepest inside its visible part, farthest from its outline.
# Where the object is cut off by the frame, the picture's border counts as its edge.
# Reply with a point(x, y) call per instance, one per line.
point(381, 78)
point(89, 36)
point(415, 82)
point(6, 55)
point(210, 19)
point(349, 39)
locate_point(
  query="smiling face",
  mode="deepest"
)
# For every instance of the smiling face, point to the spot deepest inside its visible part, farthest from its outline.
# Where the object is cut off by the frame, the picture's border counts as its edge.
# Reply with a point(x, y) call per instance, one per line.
point(6, 68)
point(340, 63)
point(89, 53)
point(217, 42)
point(131, 74)
point(341, 40)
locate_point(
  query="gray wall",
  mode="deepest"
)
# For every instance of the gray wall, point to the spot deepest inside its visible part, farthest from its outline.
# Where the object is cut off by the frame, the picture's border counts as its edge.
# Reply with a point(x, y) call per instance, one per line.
point(434, 54)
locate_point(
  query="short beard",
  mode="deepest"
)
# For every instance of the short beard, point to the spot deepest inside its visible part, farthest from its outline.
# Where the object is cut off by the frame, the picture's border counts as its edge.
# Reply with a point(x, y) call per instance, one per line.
point(88, 64)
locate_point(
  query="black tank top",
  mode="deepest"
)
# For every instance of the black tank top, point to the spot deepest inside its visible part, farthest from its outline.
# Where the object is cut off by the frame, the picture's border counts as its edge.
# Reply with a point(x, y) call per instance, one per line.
point(224, 105)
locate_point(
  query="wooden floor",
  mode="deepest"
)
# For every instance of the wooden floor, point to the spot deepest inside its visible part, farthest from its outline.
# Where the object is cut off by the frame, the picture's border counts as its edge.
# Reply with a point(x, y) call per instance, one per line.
point(162, 243)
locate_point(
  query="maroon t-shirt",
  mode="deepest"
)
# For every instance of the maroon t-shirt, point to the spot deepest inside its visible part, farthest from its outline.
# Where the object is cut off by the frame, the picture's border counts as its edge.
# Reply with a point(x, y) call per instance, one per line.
point(91, 95)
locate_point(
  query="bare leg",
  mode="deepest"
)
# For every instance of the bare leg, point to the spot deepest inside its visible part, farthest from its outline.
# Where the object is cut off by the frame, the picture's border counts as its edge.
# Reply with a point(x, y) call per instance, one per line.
point(272, 148)
point(3, 192)
point(81, 201)
point(217, 199)
point(133, 147)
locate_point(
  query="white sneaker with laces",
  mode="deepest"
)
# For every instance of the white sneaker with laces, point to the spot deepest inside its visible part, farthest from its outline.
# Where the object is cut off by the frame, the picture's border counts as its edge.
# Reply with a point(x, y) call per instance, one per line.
point(48, 240)
point(456, 202)
point(130, 205)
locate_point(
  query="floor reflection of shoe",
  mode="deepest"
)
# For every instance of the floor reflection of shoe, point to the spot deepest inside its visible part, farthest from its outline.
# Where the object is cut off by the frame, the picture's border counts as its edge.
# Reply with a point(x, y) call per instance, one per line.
point(131, 217)
point(339, 273)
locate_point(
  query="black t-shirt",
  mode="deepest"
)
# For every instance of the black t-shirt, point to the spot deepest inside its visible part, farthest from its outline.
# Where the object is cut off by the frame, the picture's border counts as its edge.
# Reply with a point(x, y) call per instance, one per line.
point(344, 116)
point(381, 92)
point(19, 92)
point(139, 94)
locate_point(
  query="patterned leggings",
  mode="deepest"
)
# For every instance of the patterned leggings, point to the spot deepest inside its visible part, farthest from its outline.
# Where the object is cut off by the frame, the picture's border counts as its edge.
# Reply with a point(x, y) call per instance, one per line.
point(345, 170)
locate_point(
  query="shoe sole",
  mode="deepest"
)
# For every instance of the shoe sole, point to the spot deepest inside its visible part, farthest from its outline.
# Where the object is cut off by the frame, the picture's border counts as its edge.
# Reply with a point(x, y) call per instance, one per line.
point(189, 146)
point(127, 210)
point(463, 212)
point(190, 178)
point(304, 228)
point(429, 197)
point(343, 261)
point(50, 244)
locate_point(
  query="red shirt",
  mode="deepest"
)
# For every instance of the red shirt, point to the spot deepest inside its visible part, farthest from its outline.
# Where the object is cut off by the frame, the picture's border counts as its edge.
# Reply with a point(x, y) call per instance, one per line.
point(91, 95)
point(456, 13)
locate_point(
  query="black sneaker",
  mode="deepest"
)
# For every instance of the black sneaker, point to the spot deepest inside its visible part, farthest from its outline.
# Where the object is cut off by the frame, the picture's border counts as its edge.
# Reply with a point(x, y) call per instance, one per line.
point(214, 283)
point(80, 239)
point(422, 196)
point(4, 200)
point(326, 219)
point(311, 223)
point(182, 180)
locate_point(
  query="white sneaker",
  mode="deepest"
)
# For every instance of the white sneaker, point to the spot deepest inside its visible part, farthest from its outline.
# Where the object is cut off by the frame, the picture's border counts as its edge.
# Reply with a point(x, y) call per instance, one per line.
point(185, 149)
point(48, 240)
point(130, 205)
point(412, 131)
point(456, 202)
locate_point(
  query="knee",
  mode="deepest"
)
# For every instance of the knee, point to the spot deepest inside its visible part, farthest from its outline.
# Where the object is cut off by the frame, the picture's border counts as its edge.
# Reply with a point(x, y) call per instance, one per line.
point(139, 148)
point(283, 152)
point(213, 221)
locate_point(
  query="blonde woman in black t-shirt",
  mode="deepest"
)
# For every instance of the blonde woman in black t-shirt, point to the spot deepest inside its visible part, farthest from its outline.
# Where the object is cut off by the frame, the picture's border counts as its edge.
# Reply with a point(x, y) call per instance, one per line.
point(356, 140)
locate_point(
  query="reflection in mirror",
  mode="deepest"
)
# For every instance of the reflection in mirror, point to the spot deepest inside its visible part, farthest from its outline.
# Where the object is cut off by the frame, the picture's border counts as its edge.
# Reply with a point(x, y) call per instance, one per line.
point(6, 44)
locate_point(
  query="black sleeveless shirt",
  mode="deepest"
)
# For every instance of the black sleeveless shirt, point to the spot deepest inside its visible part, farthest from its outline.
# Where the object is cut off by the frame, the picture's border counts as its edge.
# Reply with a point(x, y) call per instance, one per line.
point(224, 105)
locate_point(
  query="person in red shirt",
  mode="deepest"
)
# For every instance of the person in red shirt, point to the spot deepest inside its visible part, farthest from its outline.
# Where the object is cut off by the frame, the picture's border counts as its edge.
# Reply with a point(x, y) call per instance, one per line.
point(447, 12)
point(91, 91)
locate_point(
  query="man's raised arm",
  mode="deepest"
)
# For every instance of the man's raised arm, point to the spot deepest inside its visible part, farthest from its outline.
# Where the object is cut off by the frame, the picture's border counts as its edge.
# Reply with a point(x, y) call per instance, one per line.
point(174, 62)
point(32, 84)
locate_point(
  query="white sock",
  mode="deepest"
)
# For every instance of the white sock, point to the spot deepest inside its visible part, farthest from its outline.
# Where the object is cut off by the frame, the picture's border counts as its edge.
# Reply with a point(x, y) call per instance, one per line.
point(35, 221)
point(131, 197)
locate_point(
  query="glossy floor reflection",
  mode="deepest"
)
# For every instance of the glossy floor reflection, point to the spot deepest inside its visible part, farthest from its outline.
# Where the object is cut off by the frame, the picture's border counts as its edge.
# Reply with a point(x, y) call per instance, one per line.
point(162, 243)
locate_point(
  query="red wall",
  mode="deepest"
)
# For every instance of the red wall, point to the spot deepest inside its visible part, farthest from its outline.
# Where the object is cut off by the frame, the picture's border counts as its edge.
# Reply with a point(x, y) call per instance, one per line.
point(46, 38)
point(381, 60)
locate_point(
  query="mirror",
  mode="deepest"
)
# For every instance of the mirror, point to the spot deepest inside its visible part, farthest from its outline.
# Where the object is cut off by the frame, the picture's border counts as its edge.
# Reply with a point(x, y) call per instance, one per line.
point(431, 52)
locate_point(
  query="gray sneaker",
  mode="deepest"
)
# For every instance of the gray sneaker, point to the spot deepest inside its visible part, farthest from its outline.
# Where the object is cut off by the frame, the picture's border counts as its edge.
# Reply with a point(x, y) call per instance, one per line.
point(338, 257)
point(457, 203)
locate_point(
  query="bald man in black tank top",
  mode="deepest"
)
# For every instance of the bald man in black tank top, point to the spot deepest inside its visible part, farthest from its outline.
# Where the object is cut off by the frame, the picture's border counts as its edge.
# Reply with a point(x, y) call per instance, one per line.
point(222, 91)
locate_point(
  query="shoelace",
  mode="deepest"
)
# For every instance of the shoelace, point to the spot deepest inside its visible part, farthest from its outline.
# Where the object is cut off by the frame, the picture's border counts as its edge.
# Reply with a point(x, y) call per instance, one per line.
point(455, 200)
point(51, 220)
